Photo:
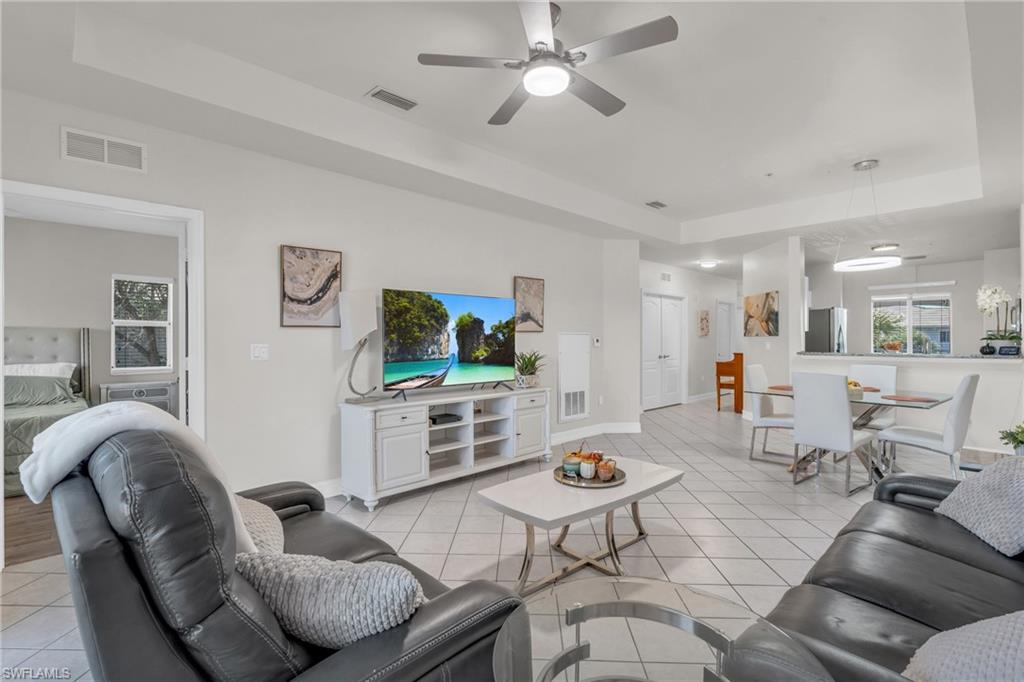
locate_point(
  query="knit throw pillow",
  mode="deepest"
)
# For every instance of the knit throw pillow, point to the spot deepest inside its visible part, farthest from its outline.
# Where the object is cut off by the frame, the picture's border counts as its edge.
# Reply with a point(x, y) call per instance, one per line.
point(991, 505)
point(331, 603)
point(987, 650)
point(263, 525)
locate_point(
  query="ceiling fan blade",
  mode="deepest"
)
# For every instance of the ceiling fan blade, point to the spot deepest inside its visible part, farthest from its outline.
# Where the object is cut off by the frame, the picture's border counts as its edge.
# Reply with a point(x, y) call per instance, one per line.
point(510, 106)
point(652, 33)
point(537, 22)
point(477, 62)
point(594, 95)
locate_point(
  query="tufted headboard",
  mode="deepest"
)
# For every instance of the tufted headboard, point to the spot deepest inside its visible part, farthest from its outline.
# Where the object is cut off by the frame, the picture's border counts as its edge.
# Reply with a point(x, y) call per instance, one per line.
point(51, 344)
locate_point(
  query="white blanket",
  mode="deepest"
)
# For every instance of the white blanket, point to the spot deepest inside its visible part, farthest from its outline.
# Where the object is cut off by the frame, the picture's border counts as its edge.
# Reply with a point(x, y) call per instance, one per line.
point(60, 448)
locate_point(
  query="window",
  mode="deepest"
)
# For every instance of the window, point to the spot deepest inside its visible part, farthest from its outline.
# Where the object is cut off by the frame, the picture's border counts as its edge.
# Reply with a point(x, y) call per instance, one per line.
point(912, 323)
point(141, 335)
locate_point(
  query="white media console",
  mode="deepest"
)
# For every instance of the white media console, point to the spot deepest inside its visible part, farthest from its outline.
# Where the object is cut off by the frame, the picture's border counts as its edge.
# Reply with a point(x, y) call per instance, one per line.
point(390, 447)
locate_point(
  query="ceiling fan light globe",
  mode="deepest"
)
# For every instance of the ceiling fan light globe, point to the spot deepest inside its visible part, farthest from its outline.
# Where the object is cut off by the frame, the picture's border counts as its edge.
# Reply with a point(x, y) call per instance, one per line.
point(546, 80)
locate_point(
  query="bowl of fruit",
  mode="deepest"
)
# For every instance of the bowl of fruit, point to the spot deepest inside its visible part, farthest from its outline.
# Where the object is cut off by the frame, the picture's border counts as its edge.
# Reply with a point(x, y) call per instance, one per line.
point(854, 388)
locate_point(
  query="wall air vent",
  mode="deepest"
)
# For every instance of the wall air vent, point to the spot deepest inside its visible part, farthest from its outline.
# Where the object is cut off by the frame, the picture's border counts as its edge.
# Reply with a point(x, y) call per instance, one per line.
point(391, 98)
point(83, 145)
point(656, 204)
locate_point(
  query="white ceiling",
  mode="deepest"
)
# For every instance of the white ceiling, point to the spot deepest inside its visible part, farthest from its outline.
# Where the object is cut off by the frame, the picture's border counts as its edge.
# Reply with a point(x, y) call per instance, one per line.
point(794, 89)
point(799, 90)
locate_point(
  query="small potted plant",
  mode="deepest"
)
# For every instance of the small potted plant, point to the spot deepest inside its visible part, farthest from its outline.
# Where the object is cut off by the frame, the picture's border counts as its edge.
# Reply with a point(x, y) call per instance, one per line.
point(528, 365)
point(1014, 438)
point(993, 300)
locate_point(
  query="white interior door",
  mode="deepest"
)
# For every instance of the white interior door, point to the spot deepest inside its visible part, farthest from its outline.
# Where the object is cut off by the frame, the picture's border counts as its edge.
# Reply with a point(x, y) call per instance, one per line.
point(723, 331)
point(671, 351)
point(651, 361)
point(662, 363)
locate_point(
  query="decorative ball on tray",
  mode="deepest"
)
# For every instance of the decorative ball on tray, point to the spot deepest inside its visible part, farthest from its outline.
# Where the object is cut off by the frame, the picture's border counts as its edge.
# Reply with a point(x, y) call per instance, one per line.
point(588, 464)
point(854, 388)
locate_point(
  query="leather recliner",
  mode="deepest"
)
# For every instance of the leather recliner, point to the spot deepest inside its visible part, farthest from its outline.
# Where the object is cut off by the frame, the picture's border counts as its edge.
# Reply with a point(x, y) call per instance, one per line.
point(148, 538)
point(896, 575)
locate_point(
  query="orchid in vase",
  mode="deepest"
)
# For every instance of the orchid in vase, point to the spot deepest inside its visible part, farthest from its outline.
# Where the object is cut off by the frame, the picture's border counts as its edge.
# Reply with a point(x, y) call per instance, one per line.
point(993, 300)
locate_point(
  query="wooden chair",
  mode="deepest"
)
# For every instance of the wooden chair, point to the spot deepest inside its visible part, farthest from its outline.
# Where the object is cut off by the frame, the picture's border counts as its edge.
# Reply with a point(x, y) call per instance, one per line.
point(729, 376)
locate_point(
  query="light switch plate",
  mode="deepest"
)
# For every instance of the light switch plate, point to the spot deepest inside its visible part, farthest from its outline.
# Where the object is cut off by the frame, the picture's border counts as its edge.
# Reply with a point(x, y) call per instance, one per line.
point(259, 351)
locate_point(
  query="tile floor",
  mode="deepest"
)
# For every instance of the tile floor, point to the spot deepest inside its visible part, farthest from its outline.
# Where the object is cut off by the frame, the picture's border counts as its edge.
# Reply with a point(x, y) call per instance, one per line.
point(737, 528)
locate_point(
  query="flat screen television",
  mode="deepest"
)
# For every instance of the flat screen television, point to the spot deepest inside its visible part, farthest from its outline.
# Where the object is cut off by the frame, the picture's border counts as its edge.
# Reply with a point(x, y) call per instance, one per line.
point(433, 339)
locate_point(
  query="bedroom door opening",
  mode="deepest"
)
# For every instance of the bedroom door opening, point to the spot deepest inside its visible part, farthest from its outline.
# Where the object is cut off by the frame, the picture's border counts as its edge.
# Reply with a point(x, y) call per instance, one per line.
point(125, 306)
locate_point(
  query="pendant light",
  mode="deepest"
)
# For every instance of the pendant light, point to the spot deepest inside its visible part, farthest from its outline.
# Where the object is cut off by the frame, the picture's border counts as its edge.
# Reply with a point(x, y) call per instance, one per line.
point(867, 262)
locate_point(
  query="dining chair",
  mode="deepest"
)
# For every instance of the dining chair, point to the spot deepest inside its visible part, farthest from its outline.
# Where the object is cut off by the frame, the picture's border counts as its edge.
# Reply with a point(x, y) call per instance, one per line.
point(823, 422)
point(947, 442)
point(729, 376)
point(882, 377)
point(763, 413)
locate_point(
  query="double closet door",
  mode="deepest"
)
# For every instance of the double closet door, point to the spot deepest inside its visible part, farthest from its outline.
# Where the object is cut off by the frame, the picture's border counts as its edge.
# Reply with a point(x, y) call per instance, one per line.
point(662, 363)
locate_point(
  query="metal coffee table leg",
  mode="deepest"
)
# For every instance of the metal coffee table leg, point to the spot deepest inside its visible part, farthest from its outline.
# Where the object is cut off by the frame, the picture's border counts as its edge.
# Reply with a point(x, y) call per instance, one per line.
point(580, 561)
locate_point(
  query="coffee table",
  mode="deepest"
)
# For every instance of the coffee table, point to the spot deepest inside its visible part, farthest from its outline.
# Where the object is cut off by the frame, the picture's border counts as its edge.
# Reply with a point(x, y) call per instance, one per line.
point(620, 628)
point(541, 502)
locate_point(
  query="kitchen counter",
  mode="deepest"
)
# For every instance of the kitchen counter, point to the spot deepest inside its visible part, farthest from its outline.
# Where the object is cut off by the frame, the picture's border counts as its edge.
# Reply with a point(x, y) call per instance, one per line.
point(889, 357)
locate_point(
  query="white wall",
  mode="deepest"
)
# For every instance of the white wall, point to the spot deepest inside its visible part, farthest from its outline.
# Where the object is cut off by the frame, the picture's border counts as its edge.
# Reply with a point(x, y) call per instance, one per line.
point(277, 420)
point(60, 276)
point(619, 354)
point(1002, 267)
point(701, 291)
point(766, 269)
point(968, 324)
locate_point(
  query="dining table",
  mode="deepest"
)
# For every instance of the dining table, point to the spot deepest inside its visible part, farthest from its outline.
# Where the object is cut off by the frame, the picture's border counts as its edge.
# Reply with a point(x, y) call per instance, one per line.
point(874, 401)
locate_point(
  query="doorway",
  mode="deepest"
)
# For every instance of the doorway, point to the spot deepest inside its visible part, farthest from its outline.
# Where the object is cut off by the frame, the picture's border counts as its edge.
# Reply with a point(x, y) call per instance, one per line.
point(664, 360)
point(723, 331)
point(32, 206)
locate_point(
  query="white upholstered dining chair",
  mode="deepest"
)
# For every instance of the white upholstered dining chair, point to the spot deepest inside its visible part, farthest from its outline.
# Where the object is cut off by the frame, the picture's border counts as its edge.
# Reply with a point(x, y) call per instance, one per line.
point(882, 377)
point(947, 442)
point(823, 422)
point(763, 414)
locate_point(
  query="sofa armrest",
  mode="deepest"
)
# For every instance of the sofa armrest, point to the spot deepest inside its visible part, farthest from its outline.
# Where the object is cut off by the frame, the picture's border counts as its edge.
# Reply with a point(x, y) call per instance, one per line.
point(925, 492)
point(450, 626)
point(764, 653)
point(290, 497)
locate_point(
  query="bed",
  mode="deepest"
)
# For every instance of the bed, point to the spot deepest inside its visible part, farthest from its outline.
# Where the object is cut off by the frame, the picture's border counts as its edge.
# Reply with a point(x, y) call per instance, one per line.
point(21, 422)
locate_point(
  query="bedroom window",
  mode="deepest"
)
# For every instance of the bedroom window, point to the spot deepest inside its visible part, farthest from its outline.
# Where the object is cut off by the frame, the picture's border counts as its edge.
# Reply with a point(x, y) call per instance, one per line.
point(141, 327)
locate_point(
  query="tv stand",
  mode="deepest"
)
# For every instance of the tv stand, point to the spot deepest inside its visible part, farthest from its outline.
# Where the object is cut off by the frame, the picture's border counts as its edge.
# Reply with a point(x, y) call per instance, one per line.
point(391, 448)
point(504, 384)
point(402, 394)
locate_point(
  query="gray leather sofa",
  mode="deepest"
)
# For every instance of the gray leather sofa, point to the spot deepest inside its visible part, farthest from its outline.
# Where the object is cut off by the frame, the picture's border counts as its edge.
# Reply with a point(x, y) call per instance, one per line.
point(148, 540)
point(897, 574)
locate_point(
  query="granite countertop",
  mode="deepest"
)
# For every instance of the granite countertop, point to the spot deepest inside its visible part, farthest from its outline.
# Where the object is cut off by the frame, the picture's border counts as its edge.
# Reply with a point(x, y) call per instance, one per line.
point(897, 356)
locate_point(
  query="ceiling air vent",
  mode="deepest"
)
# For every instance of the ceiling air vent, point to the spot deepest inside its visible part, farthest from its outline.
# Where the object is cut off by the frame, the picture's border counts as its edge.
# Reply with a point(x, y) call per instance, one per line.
point(914, 257)
point(656, 204)
point(97, 148)
point(391, 98)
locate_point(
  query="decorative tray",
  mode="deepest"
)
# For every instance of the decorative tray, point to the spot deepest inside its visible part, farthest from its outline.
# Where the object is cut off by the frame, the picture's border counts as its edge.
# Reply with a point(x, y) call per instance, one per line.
point(578, 482)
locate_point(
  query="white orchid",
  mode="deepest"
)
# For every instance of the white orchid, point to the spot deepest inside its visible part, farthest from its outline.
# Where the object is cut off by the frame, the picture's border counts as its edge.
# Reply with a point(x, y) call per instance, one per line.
point(990, 298)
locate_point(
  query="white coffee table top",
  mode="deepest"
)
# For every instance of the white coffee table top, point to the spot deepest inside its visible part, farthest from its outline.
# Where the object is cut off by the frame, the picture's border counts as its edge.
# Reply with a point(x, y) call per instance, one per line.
point(538, 499)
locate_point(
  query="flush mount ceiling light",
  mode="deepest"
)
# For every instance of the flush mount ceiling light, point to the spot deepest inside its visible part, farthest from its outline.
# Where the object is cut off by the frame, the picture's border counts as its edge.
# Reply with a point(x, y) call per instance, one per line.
point(869, 263)
point(707, 263)
point(546, 77)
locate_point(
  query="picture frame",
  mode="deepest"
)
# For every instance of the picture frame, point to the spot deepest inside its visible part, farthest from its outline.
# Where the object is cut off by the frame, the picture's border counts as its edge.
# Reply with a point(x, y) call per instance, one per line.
point(310, 284)
point(761, 314)
point(529, 297)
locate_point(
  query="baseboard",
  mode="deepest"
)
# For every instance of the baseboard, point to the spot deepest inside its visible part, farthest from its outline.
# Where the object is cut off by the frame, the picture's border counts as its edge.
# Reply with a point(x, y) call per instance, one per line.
point(560, 437)
point(329, 488)
point(700, 396)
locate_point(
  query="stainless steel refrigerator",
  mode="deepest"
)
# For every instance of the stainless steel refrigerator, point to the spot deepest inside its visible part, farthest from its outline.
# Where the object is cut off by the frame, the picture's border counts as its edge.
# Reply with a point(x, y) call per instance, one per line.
point(826, 330)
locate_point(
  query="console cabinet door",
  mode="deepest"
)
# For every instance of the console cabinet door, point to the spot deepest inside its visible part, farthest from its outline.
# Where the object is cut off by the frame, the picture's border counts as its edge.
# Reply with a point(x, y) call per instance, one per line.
point(402, 456)
point(529, 431)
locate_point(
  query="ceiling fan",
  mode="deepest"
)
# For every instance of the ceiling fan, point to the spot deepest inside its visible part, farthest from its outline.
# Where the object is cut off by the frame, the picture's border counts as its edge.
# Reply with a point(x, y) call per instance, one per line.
point(550, 69)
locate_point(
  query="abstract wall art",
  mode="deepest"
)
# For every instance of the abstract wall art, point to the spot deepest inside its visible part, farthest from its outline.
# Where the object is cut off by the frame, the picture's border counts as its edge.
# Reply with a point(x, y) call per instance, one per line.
point(703, 322)
point(310, 282)
point(529, 294)
point(761, 314)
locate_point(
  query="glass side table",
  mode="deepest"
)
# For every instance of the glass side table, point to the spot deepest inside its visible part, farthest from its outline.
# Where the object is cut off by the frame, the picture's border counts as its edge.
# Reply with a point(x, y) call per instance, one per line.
point(619, 628)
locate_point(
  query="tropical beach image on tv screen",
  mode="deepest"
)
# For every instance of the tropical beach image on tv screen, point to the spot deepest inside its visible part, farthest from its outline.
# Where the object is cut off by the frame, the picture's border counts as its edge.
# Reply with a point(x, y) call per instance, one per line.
point(433, 339)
